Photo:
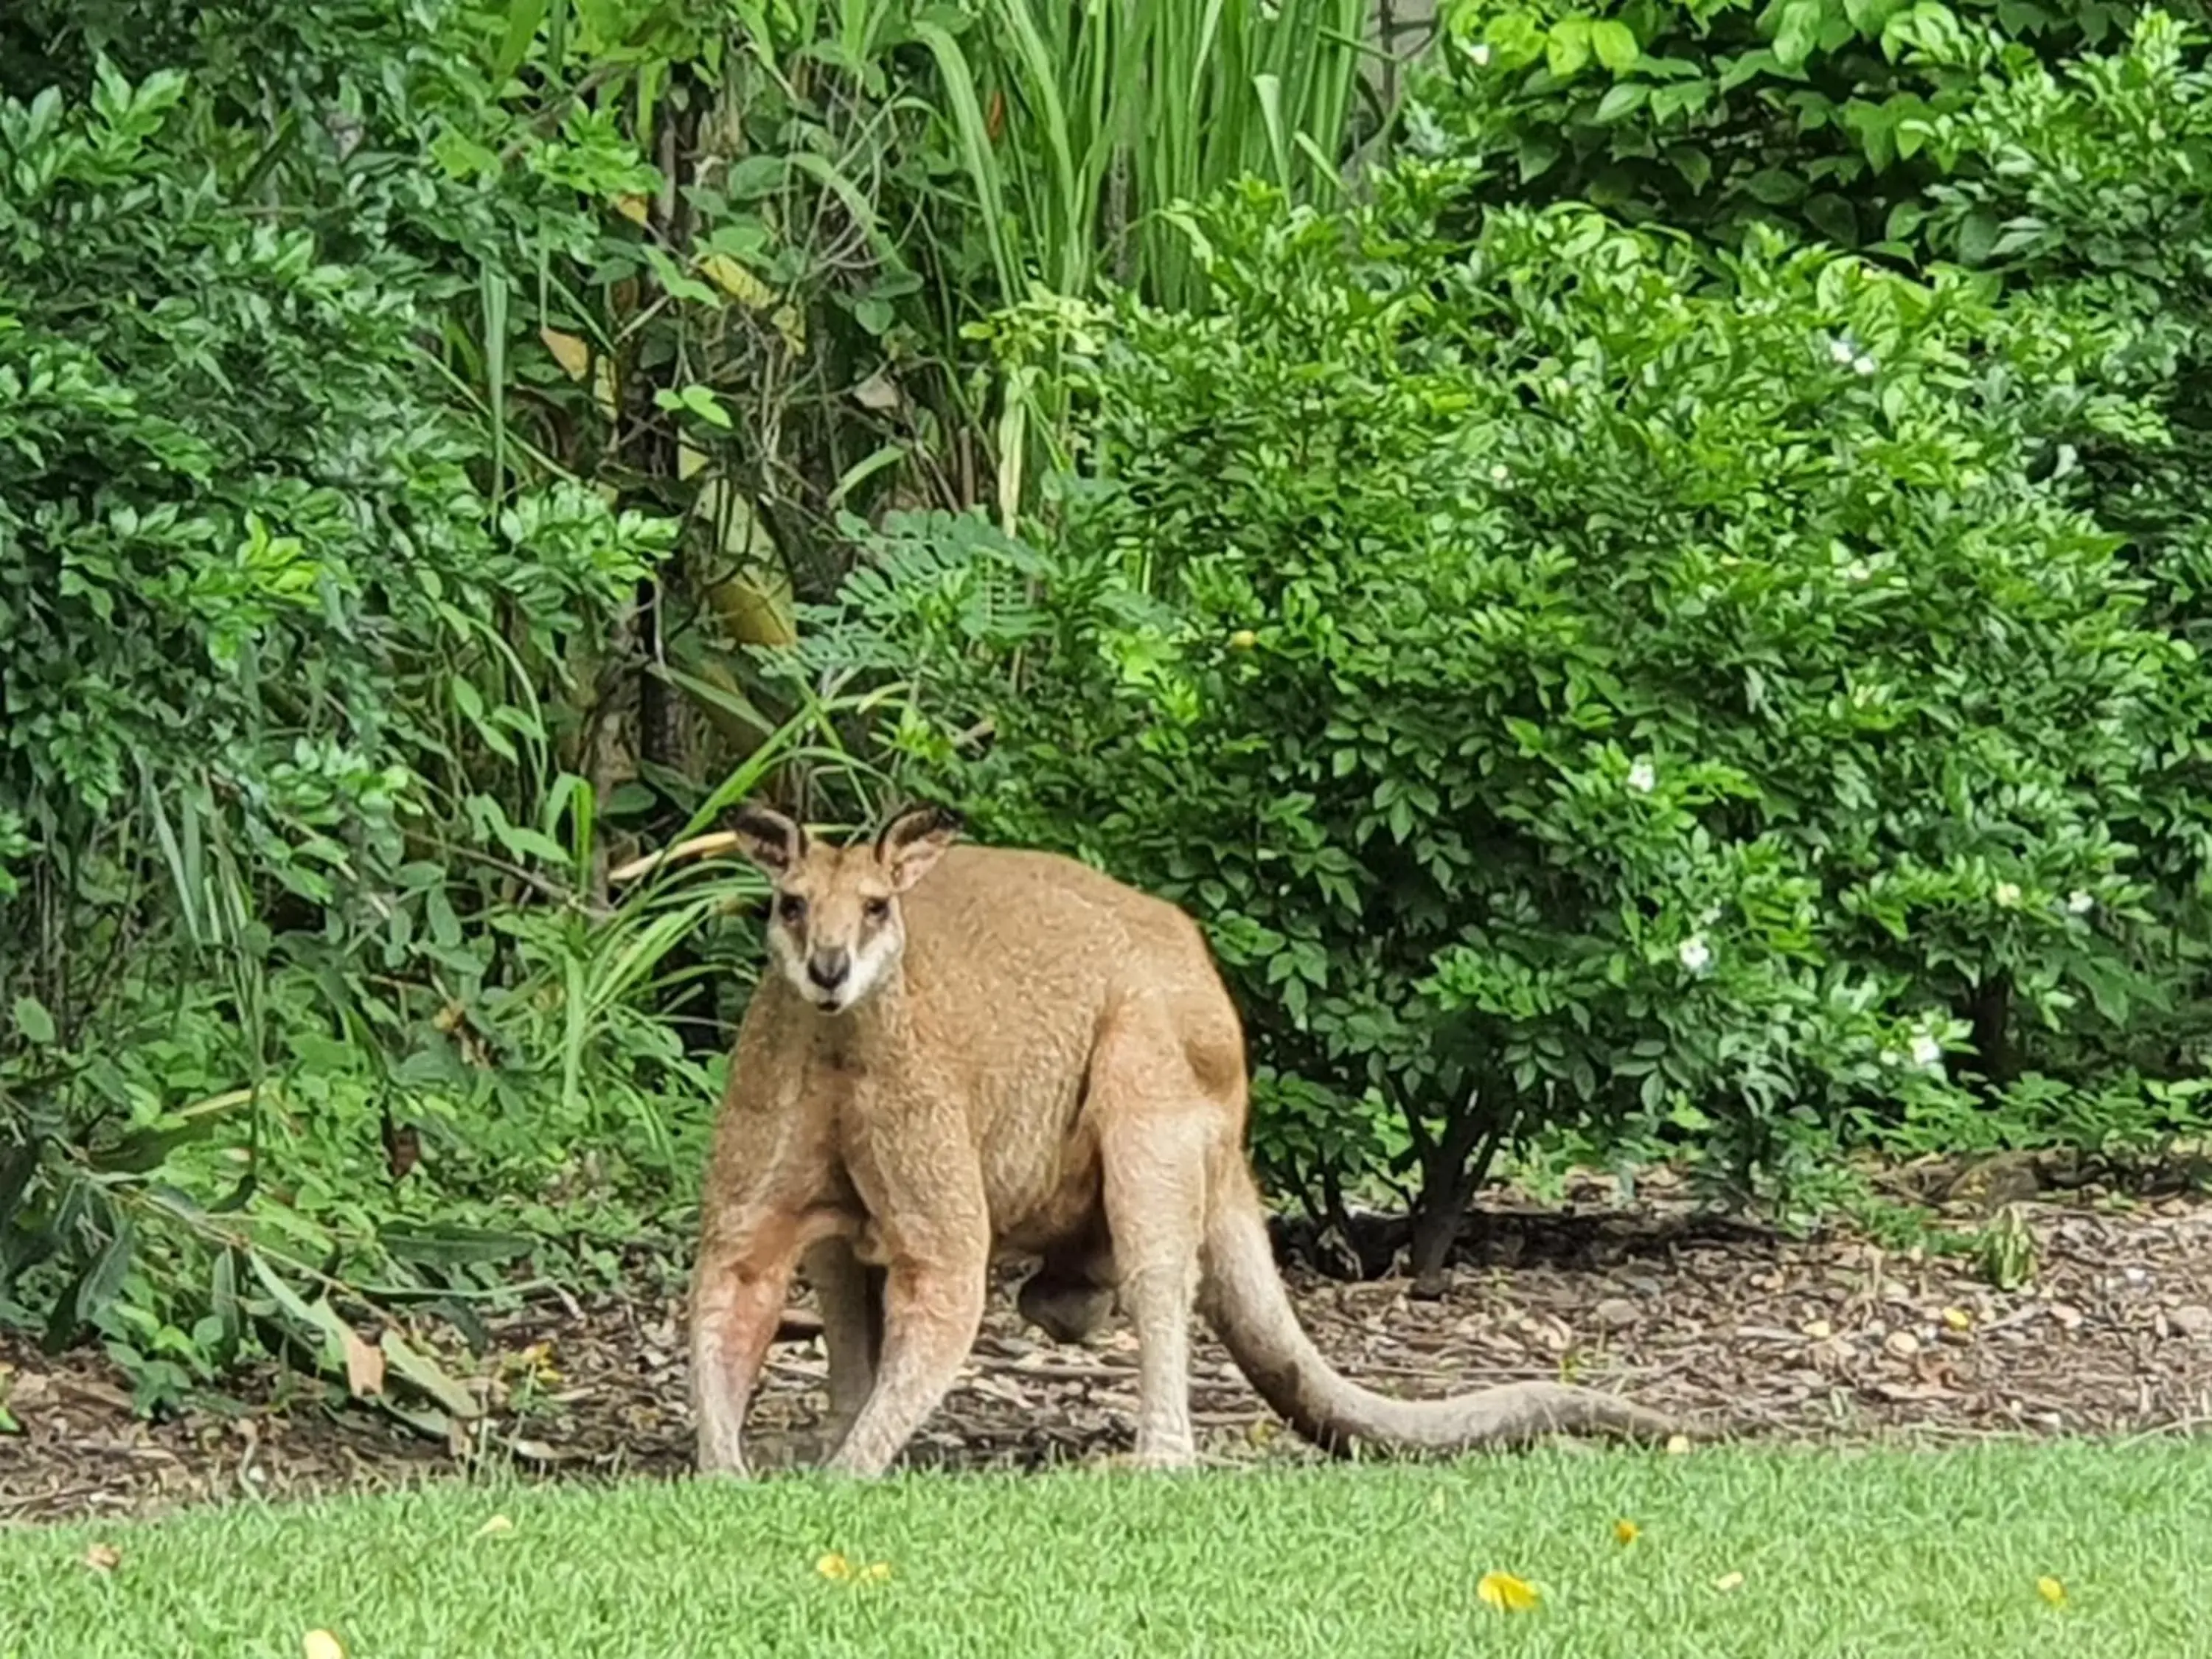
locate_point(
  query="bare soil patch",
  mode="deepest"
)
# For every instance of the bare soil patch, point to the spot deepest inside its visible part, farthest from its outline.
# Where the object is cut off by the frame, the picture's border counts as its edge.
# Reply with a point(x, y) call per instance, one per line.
point(1749, 1330)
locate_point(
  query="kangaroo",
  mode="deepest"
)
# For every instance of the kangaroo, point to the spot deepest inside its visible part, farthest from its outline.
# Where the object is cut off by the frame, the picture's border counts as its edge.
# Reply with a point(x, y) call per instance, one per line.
point(960, 1051)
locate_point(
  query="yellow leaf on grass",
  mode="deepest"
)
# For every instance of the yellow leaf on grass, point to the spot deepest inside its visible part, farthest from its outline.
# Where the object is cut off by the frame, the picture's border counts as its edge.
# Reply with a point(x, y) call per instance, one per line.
point(875, 1572)
point(497, 1523)
point(571, 353)
point(1677, 1445)
point(103, 1558)
point(321, 1644)
point(1728, 1581)
point(834, 1566)
point(1506, 1593)
point(1626, 1531)
point(2052, 1591)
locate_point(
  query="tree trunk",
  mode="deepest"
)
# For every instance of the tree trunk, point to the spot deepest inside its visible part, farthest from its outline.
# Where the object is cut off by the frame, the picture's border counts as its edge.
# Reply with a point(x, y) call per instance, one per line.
point(1446, 1184)
point(1453, 1171)
point(1989, 1008)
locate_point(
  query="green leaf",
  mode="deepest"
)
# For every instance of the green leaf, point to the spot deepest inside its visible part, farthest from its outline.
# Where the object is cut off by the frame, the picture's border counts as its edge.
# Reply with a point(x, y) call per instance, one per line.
point(452, 1246)
point(1614, 42)
point(104, 1276)
point(698, 400)
point(1567, 46)
point(32, 1020)
point(1796, 33)
point(1978, 235)
point(1833, 216)
point(1775, 187)
point(1535, 156)
point(1515, 38)
point(1692, 163)
point(426, 1375)
point(1620, 100)
point(1868, 16)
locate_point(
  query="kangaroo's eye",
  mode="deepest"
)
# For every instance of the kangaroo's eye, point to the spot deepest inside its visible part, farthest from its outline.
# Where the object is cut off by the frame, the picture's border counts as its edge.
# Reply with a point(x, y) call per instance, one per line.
point(792, 909)
point(876, 908)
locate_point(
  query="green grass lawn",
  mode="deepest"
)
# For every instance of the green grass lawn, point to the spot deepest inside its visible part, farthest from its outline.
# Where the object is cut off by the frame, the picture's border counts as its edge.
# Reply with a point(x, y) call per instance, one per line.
point(1887, 1553)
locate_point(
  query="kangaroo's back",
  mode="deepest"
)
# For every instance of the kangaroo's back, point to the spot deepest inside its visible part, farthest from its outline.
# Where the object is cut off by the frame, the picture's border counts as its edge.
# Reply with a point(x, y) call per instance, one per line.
point(1021, 946)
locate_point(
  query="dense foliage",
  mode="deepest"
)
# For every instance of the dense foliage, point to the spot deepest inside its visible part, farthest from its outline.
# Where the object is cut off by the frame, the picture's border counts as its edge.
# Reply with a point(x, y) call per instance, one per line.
point(1567, 689)
point(412, 409)
point(1649, 596)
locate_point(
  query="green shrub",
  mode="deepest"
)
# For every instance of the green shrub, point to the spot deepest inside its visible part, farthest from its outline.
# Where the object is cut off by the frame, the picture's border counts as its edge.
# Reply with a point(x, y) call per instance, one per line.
point(270, 656)
point(1811, 115)
point(1566, 691)
point(2099, 176)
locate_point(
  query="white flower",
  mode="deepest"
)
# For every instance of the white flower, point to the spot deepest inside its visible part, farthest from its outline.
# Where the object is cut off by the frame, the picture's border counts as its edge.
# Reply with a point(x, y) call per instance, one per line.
point(1697, 956)
point(1842, 350)
point(1927, 1052)
point(2080, 904)
point(2008, 894)
point(1642, 778)
point(1481, 53)
point(1862, 365)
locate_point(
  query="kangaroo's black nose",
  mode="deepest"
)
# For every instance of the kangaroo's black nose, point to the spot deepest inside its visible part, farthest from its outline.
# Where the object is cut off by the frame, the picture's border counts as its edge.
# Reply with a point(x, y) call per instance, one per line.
point(828, 969)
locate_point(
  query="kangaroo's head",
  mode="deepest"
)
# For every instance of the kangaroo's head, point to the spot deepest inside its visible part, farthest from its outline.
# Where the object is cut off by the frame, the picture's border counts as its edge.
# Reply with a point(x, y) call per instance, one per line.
point(836, 931)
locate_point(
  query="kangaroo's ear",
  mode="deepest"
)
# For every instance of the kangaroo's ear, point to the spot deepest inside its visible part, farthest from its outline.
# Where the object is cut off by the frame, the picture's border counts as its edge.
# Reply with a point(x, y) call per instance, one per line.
point(767, 837)
point(914, 840)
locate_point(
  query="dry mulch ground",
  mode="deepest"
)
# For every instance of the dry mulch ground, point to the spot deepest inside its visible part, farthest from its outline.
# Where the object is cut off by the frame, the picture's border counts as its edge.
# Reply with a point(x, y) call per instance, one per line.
point(1745, 1329)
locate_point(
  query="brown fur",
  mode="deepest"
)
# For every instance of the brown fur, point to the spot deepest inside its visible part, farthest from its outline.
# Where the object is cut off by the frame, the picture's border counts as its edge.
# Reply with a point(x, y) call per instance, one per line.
point(1047, 1064)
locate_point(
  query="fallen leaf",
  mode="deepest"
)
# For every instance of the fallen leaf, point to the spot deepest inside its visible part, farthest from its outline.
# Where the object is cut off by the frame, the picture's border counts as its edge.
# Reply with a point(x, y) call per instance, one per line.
point(497, 1523)
point(878, 392)
point(1903, 1344)
point(364, 1365)
point(1626, 1531)
point(103, 1558)
point(793, 327)
point(1677, 1445)
point(2052, 1591)
point(1728, 1581)
point(1818, 1329)
point(1958, 1319)
point(571, 353)
point(1502, 1591)
point(834, 1566)
point(321, 1644)
point(734, 280)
